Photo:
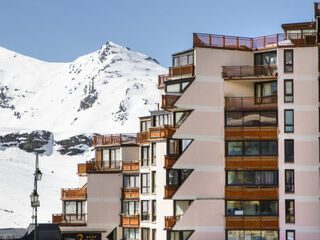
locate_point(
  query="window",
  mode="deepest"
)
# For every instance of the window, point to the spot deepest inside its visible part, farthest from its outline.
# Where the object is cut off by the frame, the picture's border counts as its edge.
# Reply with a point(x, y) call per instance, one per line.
point(145, 155)
point(154, 210)
point(177, 87)
point(181, 206)
point(153, 153)
point(290, 235)
point(289, 150)
point(145, 233)
point(251, 148)
point(289, 181)
point(154, 234)
point(145, 214)
point(252, 178)
point(249, 118)
point(175, 177)
point(179, 117)
point(252, 208)
point(131, 181)
point(130, 233)
point(252, 234)
point(288, 90)
point(181, 60)
point(130, 207)
point(111, 158)
point(161, 120)
point(265, 59)
point(154, 181)
point(145, 125)
point(265, 89)
point(145, 183)
point(288, 61)
point(177, 146)
point(77, 209)
point(288, 120)
point(179, 235)
point(290, 211)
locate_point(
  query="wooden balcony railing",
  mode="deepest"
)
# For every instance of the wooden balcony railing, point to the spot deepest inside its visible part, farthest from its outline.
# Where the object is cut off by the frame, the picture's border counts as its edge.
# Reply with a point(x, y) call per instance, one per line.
point(251, 192)
point(169, 222)
point(115, 139)
point(161, 80)
point(70, 219)
point(168, 101)
point(130, 193)
point(155, 133)
point(169, 191)
point(181, 71)
point(298, 39)
point(130, 221)
point(251, 72)
point(84, 168)
point(130, 165)
point(251, 133)
point(260, 223)
point(240, 43)
point(73, 194)
point(252, 162)
point(251, 103)
point(169, 161)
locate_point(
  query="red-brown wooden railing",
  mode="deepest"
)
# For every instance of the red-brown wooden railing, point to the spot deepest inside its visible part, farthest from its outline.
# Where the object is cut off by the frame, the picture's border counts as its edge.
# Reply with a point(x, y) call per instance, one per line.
point(70, 219)
point(73, 194)
point(170, 221)
point(128, 138)
point(178, 71)
point(161, 80)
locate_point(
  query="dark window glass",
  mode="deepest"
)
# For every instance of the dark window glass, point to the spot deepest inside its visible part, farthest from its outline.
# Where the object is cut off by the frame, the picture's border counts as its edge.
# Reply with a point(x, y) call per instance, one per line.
point(173, 177)
point(145, 233)
point(288, 61)
point(145, 125)
point(173, 147)
point(130, 207)
point(252, 208)
point(251, 148)
point(268, 208)
point(178, 235)
point(252, 235)
point(153, 153)
point(264, 90)
point(289, 150)
point(145, 183)
point(130, 233)
point(234, 118)
point(268, 177)
point(269, 118)
point(288, 120)
point(290, 211)
point(154, 210)
point(179, 117)
point(235, 148)
point(288, 90)
point(269, 148)
point(145, 214)
point(252, 177)
point(265, 59)
point(251, 119)
point(154, 183)
point(290, 235)
point(131, 181)
point(289, 181)
point(235, 178)
point(145, 155)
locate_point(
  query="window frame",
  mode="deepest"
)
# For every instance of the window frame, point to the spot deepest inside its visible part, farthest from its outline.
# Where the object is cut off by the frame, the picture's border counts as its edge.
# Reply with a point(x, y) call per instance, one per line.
point(288, 125)
point(153, 154)
point(285, 94)
point(287, 158)
point(243, 148)
point(145, 162)
point(153, 182)
point(136, 181)
point(243, 114)
point(286, 171)
point(147, 187)
point(284, 61)
point(252, 185)
point(153, 210)
point(245, 215)
point(289, 231)
point(145, 217)
point(287, 203)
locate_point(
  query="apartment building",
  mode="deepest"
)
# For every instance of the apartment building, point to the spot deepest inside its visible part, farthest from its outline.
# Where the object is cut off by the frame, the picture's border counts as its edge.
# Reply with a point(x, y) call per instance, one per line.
point(233, 154)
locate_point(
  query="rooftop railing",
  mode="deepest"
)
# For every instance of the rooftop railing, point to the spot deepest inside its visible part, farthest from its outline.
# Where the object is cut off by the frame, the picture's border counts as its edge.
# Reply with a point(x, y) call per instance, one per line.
point(116, 139)
point(249, 71)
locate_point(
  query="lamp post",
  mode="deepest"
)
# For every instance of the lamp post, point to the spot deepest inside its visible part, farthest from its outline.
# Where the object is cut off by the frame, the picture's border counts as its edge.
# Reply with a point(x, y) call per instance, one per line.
point(35, 203)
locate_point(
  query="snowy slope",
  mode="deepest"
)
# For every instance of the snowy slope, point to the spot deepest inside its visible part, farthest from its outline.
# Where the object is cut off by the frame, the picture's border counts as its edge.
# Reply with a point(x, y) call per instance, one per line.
point(102, 92)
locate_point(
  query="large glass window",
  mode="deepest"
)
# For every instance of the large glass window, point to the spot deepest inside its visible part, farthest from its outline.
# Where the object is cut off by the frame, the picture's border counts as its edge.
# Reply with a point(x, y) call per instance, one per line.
point(265, 59)
point(131, 233)
point(288, 61)
point(290, 211)
point(75, 208)
point(131, 181)
point(288, 120)
point(252, 235)
point(289, 150)
point(145, 211)
point(181, 206)
point(290, 235)
point(179, 117)
point(145, 159)
point(145, 233)
point(179, 235)
point(145, 183)
point(289, 181)
point(252, 178)
point(175, 177)
point(161, 120)
point(252, 208)
point(249, 118)
point(177, 146)
point(111, 158)
point(251, 148)
point(265, 89)
point(181, 60)
point(130, 207)
point(145, 125)
point(177, 87)
point(288, 90)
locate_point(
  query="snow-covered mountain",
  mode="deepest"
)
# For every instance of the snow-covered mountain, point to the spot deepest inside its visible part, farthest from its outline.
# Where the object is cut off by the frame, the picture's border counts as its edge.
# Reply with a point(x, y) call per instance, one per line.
point(55, 108)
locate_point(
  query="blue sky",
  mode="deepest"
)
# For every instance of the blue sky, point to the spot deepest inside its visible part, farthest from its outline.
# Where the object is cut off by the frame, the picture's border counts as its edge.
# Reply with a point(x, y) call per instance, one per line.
point(62, 30)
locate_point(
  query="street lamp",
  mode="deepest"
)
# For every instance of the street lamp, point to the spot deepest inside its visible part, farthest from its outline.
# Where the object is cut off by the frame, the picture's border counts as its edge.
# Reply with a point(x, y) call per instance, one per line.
point(35, 203)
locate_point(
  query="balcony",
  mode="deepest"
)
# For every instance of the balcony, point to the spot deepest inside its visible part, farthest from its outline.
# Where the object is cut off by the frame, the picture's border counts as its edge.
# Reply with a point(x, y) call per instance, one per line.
point(168, 101)
point(96, 167)
point(169, 161)
point(181, 71)
point(251, 103)
point(74, 194)
point(130, 221)
point(169, 222)
point(130, 166)
point(252, 162)
point(116, 139)
point(237, 43)
point(69, 219)
point(251, 192)
point(249, 72)
point(156, 133)
point(169, 191)
point(251, 133)
point(252, 223)
point(298, 39)
point(84, 168)
point(130, 193)
point(161, 80)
